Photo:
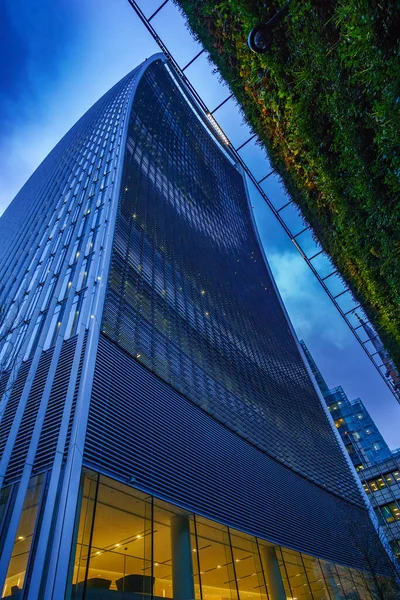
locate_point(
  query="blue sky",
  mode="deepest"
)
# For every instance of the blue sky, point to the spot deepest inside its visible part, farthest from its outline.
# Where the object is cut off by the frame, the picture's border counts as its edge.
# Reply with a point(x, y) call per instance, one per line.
point(60, 56)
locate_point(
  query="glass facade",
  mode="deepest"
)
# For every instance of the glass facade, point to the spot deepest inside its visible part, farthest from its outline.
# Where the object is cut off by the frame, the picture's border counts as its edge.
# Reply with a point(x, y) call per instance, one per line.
point(361, 437)
point(191, 298)
point(144, 339)
point(21, 551)
point(379, 483)
point(125, 549)
point(382, 485)
point(51, 276)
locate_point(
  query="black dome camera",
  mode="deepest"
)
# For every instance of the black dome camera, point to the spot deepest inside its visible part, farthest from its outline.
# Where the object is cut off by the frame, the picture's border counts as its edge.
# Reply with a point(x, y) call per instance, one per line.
point(261, 36)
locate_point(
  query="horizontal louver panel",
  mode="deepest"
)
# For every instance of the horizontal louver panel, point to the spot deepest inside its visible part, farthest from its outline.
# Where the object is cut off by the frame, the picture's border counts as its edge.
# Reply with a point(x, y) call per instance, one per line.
point(142, 431)
point(189, 293)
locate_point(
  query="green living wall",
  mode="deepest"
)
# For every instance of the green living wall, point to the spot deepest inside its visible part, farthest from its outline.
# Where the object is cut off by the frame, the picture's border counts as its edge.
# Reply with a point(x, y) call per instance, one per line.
point(325, 103)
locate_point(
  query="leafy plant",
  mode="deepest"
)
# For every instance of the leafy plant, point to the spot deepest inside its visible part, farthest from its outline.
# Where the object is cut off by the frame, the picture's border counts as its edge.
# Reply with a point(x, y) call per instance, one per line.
point(325, 103)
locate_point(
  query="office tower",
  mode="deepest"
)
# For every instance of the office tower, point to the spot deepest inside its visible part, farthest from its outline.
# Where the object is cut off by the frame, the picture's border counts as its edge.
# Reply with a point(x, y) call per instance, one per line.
point(377, 466)
point(381, 482)
point(160, 434)
point(362, 439)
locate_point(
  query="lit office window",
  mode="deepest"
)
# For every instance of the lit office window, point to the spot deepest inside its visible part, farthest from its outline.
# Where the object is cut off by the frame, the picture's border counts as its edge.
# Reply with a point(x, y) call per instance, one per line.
point(389, 512)
point(127, 547)
point(216, 561)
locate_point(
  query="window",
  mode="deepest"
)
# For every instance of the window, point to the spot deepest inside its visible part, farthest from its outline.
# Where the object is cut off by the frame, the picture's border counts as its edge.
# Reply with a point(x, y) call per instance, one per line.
point(315, 578)
point(383, 481)
point(350, 448)
point(388, 513)
point(5, 494)
point(377, 484)
point(34, 337)
point(215, 560)
point(296, 574)
point(248, 569)
point(17, 567)
point(117, 554)
point(54, 327)
point(393, 477)
point(127, 542)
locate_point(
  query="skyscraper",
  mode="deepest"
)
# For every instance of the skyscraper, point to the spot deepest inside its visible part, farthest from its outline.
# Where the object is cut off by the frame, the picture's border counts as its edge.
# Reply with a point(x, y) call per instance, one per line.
point(160, 433)
point(362, 439)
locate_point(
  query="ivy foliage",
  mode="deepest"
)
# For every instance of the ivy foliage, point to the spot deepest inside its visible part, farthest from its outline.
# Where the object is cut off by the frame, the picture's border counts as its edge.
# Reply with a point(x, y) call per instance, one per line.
point(325, 103)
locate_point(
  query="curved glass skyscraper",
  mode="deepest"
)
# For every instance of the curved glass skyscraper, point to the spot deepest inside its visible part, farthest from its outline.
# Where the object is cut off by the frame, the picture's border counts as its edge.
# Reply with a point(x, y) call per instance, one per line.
point(160, 435)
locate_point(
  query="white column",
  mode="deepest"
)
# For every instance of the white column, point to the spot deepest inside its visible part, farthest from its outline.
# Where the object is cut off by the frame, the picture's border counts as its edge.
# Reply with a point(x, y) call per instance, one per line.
point(182, 568)
point(272, 573)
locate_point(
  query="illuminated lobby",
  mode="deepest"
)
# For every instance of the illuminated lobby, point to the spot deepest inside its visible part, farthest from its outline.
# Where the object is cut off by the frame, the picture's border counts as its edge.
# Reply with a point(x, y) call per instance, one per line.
point(132, 545)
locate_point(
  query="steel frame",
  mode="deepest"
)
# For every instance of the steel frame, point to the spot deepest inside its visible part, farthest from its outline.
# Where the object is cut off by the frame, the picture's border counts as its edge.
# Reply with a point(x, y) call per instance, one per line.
point(275, 211)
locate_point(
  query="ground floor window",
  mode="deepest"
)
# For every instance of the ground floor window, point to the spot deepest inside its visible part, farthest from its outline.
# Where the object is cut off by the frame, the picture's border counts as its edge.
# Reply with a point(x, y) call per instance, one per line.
point(18, 564)
point(130, 545)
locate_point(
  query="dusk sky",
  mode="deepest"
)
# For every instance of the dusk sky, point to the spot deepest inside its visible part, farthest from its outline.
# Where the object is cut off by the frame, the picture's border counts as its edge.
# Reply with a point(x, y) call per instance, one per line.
point(60, 56)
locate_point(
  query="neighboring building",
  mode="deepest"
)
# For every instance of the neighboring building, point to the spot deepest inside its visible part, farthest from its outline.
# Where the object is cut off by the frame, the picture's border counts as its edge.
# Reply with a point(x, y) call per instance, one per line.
point(382, 484)
point(377, 466)
point(391, 372)
point(160, 433)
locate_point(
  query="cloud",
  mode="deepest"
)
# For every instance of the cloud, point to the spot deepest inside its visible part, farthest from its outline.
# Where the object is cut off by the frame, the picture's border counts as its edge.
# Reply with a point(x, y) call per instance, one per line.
point(310, 310)
point(38, 41)
point(59, 62)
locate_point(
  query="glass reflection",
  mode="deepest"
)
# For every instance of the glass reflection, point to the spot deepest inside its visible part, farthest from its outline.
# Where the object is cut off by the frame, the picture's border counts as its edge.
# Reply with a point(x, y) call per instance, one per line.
point(5, 494)
point(348, 585)
point(19, 560)
point(332, 580)
point(90, 485)
point(284, 575)
point(297, 579)
point(119, 554)
point(363, 587)
point(216, 561)
point(162, 550)
point(249, 573)
point(315, 577)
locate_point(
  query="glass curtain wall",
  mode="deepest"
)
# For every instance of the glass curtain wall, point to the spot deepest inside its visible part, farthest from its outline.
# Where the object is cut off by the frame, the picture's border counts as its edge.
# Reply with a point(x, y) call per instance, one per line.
point(18, 565)
point(126, 541)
